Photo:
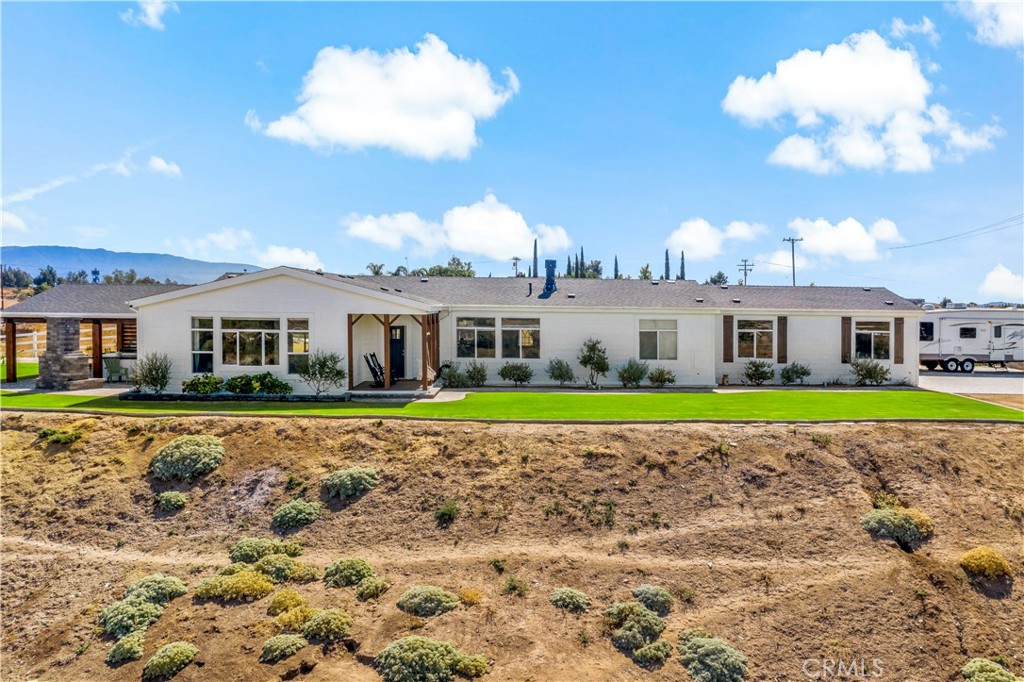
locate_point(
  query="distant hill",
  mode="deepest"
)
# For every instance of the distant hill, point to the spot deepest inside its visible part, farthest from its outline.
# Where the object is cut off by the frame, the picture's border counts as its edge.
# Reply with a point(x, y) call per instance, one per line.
point(158, 265)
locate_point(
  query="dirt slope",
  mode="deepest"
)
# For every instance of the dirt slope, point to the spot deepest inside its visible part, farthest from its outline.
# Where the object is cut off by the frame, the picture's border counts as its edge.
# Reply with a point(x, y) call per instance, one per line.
point(767, 538)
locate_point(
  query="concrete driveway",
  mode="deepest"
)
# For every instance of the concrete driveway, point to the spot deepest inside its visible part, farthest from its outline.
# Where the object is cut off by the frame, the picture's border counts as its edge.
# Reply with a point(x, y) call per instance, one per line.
point(983, 380)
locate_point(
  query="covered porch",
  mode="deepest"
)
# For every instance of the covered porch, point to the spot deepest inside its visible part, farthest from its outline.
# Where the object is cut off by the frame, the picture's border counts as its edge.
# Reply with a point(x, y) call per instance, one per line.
point(389, 352)
point(89, 343)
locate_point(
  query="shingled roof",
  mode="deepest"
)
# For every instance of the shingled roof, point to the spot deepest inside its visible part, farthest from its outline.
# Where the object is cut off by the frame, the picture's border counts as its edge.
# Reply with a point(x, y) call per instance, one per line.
point(87, 300)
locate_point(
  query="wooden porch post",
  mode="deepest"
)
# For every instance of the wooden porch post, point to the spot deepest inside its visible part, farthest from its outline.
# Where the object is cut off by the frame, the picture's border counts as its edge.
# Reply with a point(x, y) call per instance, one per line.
point(97, 349)
point(387, 352)
point(351, 365)
point(424, 349)
point(120, 336)
point(11, 350)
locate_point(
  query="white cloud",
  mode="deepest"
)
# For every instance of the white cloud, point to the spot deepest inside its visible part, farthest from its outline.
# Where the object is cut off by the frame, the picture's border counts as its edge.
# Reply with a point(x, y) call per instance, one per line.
point(233, 244)
point(150, 13)
point(860, 104)
point(90, 233)
point(901, 29)
point(780, 262)
point(847, 239)
point(10, 221)
point(423, 103)
point(703, 241)
point(252, 121)
point(1003, 284)
point(122, 166)
point(488, 228)
point(283, 255)
point(1000, 24)
point(164, 167)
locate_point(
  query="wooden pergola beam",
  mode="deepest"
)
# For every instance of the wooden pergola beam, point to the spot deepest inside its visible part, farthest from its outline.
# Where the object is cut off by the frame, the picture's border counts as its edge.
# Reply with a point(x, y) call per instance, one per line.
point(97, 349)
point(11, 350)
point(351, 365)
point(387, 352)
point(424, 350)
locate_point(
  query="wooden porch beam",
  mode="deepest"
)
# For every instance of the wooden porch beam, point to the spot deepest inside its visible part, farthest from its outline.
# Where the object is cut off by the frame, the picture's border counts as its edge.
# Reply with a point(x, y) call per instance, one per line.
point(11, 350)
point(378, 319)
point(424, 350)
point(356, 318)
point(351, 365)
point(387, 352)
point(120, 336)
point(97, 349)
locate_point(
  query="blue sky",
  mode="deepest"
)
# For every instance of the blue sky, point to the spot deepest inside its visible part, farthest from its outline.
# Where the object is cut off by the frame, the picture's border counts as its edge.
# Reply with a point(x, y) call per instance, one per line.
point(333, 135)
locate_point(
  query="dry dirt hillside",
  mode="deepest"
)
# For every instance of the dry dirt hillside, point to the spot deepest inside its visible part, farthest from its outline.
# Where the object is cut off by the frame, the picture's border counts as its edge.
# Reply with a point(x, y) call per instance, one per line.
point(762, 546)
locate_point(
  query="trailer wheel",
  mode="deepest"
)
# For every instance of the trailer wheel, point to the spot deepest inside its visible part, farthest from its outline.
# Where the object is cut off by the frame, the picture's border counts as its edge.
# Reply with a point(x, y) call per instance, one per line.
point(951, 365)
point(931, 365)
point(967, 366)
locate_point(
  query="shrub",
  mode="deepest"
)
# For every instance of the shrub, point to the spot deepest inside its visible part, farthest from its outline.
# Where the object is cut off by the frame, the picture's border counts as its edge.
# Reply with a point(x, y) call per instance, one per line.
point(905, 526)
point(347, 572)
point(305, 573)
point(794, 373)
point(295, 619)
point(476, 374)
point(280, 647)
point(231, 569)
point(321, 371)
point(594, 358)
point(560, 371)
point(515, 587)
point(569, 599)
point(187, 457)
point(985, 562)
point(204, 384)
point(452, 376)
point(371, 587)
point(419, 659)
point(251, 550)
point(328, 625)
point(263, 383)
point(470, 596)
point(472, 666)
point(884, 500)
point(984, 670)
point(353, 482)
point(632, 373)
point(869, 372)
point(757, 372)
point(285, 600)
point(635, 625)
point(171, 501)
point(653, 655)
point(277, 567)
point(128, 648)
point(152, 370)
point(128, 615)
point(59, 437)
point(156, 588)
point(447, 513)
point(295, 514)
point(517, 372)
point(661, 377)
point(247, 585)
point(657, 599)
point(169, 660)
point(709, 659)
point(427, 600)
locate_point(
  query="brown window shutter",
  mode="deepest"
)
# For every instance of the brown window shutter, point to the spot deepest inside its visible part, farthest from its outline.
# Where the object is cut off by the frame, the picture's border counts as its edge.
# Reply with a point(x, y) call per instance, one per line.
point(727, 338)
point(847, 333)
point(897, 353)
point(783, 342)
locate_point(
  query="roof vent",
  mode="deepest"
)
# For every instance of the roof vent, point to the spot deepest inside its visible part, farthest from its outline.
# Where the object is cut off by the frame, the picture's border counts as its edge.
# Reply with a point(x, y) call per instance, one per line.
point(725, 286)
point(424, 279)
point(320, 272)
point(867, 288)
point(889, 303)
point(699, 300)
point(383, 288)
point(572, 295)
point(654, 282)
point(735, 300)
point(398, 291)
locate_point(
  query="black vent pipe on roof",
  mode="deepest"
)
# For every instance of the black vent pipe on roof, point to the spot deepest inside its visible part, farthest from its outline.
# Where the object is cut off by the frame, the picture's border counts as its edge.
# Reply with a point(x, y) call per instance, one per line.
point(549, 279)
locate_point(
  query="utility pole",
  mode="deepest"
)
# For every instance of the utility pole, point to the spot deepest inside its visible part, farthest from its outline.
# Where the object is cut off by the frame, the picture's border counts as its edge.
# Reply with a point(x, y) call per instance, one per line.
point(515, 264)
point(745, 267)
point(792, 253)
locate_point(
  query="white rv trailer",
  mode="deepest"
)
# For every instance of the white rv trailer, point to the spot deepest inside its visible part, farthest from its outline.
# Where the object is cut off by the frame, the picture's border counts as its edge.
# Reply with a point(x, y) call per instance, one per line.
point(957, 340)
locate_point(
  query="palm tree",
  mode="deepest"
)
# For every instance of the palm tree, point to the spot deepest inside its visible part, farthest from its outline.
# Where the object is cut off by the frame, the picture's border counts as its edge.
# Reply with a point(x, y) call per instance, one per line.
point(375, 268)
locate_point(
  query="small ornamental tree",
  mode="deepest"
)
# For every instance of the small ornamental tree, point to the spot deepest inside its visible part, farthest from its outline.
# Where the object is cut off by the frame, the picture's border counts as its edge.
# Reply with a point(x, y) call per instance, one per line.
point(322, 371)
point(560, 371)
point(153, 370)
point(518, 373)
point(593, 357)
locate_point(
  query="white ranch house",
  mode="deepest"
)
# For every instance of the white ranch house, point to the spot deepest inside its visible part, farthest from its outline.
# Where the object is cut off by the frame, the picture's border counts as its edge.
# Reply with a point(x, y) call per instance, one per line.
point(269, 320)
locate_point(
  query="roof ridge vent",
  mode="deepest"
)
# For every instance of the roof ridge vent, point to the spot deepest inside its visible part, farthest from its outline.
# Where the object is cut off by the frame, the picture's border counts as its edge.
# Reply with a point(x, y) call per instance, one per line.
point(735, 300)
point(654, 282)
point(866, 288)
point(889, 303)
point(424, 279)
point(571, 295)
point(699, 299)
point(725, 286)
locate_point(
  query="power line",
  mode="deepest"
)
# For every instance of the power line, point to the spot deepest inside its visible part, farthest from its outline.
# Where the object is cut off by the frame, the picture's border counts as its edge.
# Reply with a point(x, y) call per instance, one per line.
point(745, 267)
point(999, 225)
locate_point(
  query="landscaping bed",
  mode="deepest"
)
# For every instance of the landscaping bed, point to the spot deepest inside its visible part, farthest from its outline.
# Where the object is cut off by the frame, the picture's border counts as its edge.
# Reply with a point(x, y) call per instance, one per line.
point(232, 397)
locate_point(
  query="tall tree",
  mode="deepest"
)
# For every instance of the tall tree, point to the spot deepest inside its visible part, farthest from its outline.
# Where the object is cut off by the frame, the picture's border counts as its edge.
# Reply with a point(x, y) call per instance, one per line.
point(593, 270)
point(568, 266)
point(47, 277)
point(375, 268)
point(16, 277)
point(456, 267)
point(533, 272)
point(719, 279)
point(682, 265)
point(617, 276)
point(645, 272)
point(668, 272)
point(80, 277)
point(583, 263)
point(400, 271)
point(576, 267)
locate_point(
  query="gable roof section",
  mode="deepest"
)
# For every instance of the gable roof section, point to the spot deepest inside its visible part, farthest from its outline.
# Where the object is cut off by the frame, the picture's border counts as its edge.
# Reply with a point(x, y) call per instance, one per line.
point(87, 300)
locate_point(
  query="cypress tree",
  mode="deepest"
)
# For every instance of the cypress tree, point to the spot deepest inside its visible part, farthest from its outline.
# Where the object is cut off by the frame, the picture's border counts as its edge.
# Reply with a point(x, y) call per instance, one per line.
point(534, 272)
point(616, 267)
point(668, 273)
point(568, 266)
point(682, 265)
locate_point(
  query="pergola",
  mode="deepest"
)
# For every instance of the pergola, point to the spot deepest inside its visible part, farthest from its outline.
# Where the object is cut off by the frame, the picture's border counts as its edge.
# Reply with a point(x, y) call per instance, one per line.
point(430, 338)
point(126, 335)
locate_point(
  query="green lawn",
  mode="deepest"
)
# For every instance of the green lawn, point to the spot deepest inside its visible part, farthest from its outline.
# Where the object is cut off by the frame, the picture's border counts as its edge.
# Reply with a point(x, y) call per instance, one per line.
point(525, 405)
point(26, 370)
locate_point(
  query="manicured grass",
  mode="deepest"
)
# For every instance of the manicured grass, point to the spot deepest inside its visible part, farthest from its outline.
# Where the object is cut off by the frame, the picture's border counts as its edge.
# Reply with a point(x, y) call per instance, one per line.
point(525, 405)
point(26, 370)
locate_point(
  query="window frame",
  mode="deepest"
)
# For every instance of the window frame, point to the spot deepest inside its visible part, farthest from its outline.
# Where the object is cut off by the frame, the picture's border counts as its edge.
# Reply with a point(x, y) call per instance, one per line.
point(473, 326)
point(968, 332)
point(757, 335)
point(663, 348)
point(196, 329)
point(861, 328)
point(239, 331)
point(527, 336)
point(929, 335)
point(296, 327)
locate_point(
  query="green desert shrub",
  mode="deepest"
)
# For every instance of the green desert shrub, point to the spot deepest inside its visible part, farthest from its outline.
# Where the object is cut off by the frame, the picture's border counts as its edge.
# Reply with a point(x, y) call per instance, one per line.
point(984, 670)
point(262, 383)
point(169, 660)
point(569, 599)
point(284, 600)
point(295, 514)
point(453, 377)
point(709, 659)
point(128, 648)
point(794, 373)
point(251, 550)
point(632, 373)
point(560, 371)
point(867, 371)
point(634, 625)
point(653, 655)
point(171, 501)
point(305, 573)
point(905, 526)
point(371, 587)
point(328, 625)
point(446, 513)
point(427, 600)
point(657, 599)
point(517, 372)
point(236, 567)
point(204, 384)
point(277, 567)
point(245, 585)
point(476, 374)
point(187, 457)
point(156, 588)
point(280, 647)
point(472, 666)
point(347, 572)
point(985, 562)
point(419, 659)
point(353, 482)
point(128, 615)
point(758, 372)
point(322, 371)
point(152, 370)
point(661, 377)
point(59, 437)
point(295, 618)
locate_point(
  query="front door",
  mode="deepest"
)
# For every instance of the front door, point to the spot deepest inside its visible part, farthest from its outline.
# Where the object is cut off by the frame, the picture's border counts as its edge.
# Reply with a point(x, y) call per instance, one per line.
point(397, 353)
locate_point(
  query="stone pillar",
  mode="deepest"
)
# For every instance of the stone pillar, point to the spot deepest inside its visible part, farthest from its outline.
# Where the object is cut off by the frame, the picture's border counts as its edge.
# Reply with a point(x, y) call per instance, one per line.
point(62, 362)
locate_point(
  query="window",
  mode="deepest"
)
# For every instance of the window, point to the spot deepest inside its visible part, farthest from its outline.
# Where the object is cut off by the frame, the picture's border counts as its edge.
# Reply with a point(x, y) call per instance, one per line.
point(475, 337)
point(754, 339)
point(202, 345)
point(658, 339)
point(968, 332)
point(298, 345)
point(871, 340)
point(249, 343)
point(520, 337)
point(997, 331)
point(927, 331)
